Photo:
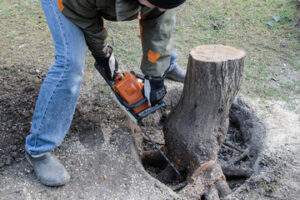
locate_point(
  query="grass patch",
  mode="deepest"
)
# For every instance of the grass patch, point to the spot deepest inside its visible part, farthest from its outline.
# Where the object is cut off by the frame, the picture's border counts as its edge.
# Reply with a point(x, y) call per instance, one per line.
point(272, 65)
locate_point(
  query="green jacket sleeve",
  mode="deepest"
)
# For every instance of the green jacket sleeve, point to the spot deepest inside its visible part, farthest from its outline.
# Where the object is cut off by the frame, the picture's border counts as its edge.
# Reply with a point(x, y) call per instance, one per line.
point(84, 14)
point(156, 35)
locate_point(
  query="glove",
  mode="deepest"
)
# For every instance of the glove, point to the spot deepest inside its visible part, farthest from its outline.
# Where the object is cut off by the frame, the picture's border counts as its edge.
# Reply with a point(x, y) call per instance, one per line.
point(154, 90)
point(109, 63)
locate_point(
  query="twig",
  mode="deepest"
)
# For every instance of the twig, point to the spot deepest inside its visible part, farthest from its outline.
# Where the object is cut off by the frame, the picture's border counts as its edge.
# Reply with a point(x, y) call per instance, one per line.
point(243, 156)
point(227, 147)
point(179, 186)
point(216, 26)
point(232, 146)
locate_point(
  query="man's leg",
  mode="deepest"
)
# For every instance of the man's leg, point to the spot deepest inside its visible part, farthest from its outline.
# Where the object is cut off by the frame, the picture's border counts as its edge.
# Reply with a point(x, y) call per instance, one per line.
point(175, 72)
point(58, 96)
point(173, 60)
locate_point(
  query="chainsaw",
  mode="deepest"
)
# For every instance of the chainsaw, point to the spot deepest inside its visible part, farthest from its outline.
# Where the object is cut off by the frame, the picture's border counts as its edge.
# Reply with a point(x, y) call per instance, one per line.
point(127, 89)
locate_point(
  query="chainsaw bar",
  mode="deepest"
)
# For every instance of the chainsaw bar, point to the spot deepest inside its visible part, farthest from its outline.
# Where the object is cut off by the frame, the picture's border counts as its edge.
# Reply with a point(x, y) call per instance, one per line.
point(137, 117)
point(160, 151)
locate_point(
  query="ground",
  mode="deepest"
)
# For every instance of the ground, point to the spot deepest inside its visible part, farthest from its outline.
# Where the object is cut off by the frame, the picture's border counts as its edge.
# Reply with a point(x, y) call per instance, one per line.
point(98, 151)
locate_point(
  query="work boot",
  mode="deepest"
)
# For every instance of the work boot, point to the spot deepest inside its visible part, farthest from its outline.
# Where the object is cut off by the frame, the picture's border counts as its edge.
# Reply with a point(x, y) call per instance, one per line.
point(177, 74)
point(49, 169)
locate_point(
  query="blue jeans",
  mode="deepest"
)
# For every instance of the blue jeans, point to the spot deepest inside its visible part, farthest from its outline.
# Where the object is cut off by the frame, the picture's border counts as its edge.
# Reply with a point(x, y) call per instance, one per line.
point(173, 60)
point(60, 90)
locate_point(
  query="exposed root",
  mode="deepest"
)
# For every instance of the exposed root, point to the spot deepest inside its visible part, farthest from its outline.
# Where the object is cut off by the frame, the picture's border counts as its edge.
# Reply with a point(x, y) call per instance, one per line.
point(207, 182)
point(212, 194)
point(223, 188)
point(236, 172)
point(180, 186)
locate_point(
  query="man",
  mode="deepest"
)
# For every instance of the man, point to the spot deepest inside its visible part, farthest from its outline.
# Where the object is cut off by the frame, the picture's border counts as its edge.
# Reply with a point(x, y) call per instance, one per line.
point(73, 25)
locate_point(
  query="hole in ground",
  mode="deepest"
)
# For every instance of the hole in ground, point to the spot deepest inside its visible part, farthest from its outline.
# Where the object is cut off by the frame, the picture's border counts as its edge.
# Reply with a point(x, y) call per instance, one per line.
point(238, 154)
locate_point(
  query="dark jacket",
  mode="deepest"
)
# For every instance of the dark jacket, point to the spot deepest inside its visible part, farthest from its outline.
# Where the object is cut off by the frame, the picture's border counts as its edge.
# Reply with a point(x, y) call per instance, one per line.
point(156, 28)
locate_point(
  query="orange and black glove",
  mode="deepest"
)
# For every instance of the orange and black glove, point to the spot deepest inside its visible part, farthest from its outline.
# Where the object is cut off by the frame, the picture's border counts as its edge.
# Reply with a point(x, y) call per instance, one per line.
point(154, 90)
point(108, 63)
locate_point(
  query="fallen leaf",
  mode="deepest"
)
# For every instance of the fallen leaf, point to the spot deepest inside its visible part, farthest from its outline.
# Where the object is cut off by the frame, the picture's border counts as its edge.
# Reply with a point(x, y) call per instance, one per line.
point(105, 177)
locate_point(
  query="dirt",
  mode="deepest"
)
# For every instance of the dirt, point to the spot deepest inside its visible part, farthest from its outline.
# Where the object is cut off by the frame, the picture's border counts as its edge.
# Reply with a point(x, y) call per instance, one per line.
point(101, 156)
point(17, 96)
point(98, 151)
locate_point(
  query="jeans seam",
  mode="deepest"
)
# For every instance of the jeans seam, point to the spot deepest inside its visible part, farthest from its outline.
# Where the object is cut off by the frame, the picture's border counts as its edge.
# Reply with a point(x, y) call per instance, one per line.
point(60, 25)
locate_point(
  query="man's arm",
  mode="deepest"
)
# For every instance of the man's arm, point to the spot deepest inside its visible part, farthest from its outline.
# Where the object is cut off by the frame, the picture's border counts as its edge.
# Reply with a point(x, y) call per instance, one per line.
point(84, 14)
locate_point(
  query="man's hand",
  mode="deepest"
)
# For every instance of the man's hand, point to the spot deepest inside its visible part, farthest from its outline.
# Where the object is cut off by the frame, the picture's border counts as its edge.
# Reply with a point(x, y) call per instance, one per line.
point(154, 90)
point(109, 63)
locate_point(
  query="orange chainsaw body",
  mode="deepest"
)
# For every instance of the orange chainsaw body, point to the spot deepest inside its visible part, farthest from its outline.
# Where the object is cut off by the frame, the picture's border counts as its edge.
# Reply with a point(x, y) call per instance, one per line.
point(130, 89)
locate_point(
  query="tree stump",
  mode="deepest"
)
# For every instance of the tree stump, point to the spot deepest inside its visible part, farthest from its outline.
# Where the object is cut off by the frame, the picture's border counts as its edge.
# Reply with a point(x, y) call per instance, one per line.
point(196, 128)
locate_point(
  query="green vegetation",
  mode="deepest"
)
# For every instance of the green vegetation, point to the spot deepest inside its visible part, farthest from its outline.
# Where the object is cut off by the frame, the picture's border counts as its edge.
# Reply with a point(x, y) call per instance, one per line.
point(273, 52)
point(267, 30)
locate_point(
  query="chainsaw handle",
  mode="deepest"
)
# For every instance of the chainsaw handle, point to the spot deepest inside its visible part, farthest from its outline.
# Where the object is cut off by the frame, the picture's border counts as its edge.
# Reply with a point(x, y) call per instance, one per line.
point(139, 76)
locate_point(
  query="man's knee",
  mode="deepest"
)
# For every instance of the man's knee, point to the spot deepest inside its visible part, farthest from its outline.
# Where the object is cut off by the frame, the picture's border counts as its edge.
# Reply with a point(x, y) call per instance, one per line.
point(77, 64)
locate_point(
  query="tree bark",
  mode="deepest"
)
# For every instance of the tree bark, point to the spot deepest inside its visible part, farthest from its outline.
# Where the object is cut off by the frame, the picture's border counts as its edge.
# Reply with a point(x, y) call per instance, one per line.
point(196, 128)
